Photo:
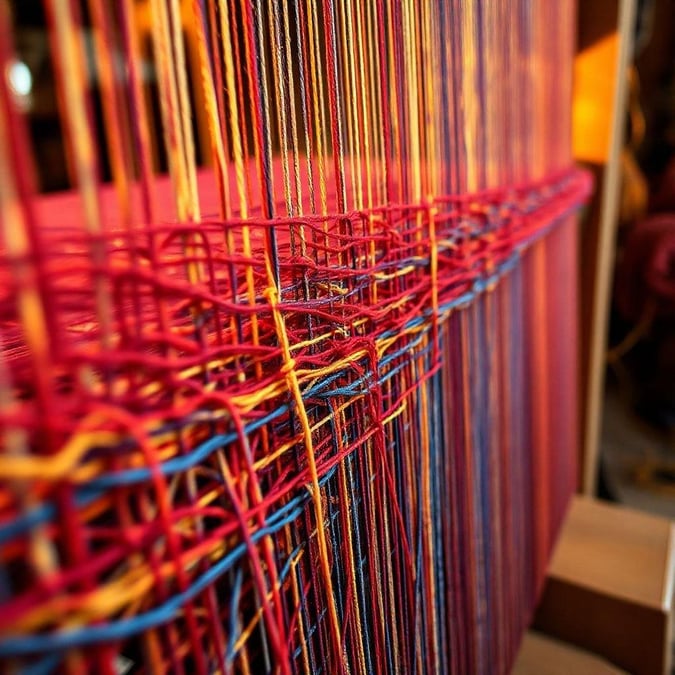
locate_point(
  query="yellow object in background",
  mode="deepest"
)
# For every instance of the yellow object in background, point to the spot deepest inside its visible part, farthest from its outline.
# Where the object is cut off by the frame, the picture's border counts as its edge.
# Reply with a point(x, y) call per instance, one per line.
point(594, 84)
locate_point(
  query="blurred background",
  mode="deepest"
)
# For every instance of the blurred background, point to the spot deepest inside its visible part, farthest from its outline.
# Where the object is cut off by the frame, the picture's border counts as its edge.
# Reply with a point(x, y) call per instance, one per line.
point(628, 239)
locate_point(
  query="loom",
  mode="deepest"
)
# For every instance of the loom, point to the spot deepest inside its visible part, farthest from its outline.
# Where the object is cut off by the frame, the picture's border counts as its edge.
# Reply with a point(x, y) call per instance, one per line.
point(295, 389)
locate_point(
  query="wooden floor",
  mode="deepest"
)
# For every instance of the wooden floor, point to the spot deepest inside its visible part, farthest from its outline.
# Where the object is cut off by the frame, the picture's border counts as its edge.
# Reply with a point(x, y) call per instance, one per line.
point(541, 655)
